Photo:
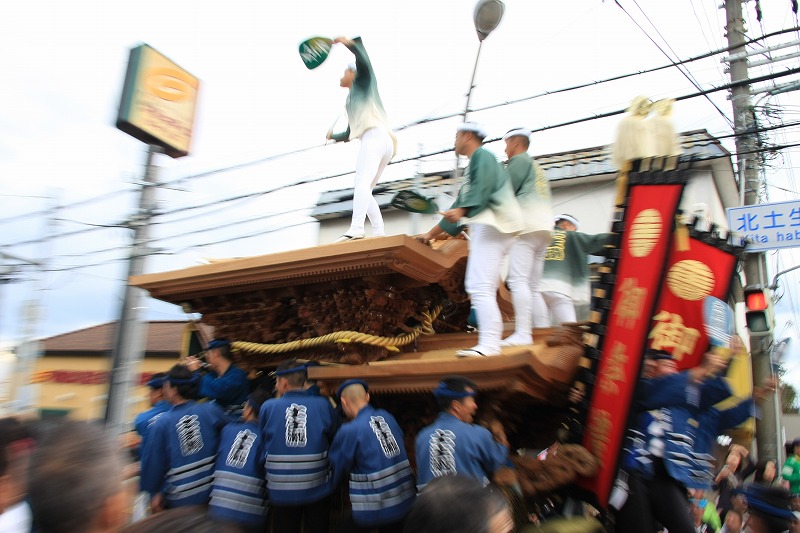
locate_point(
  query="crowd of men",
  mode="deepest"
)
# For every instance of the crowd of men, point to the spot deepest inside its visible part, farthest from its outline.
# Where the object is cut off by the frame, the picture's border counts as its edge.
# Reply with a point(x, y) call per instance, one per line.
point(279, 464)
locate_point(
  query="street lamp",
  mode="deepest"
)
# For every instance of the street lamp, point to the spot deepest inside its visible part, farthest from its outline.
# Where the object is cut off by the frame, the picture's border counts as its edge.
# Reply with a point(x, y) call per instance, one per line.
point(486, 17)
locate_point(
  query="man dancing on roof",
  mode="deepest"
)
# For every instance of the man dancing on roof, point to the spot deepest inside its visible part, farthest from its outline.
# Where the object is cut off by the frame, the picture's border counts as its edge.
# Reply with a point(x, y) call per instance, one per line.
point(366, 120)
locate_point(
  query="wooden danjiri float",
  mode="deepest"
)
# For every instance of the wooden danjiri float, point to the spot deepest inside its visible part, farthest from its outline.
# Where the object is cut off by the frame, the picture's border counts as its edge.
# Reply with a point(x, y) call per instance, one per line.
point(393, 311)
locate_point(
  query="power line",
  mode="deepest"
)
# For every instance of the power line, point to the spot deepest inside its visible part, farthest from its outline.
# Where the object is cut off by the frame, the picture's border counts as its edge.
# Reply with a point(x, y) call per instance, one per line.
point(441, 151)
point(411, 124)
point(685, 73)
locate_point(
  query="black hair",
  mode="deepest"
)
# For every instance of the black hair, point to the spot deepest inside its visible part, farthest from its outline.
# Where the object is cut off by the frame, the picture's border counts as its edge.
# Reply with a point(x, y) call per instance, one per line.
point(454, 504)
point(191, 388)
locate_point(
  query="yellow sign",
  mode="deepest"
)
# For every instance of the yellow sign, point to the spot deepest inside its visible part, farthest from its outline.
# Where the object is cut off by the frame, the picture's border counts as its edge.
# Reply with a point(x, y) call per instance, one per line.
point(158, 101)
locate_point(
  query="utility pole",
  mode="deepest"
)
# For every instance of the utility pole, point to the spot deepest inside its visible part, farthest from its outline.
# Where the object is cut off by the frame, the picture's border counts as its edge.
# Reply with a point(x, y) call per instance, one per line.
point(129, 338)
point(750, 182)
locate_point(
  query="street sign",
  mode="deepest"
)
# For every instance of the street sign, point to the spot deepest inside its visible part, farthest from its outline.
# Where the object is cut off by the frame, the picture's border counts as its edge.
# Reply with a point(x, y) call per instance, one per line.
point(767, 226)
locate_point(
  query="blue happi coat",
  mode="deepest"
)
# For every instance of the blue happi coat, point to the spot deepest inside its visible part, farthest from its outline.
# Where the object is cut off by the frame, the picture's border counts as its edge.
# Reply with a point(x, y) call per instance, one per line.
point(667, 427)
point(297, 429)
point(371, 449)
point(239, 492)
point(178, 457)
point(450, 446)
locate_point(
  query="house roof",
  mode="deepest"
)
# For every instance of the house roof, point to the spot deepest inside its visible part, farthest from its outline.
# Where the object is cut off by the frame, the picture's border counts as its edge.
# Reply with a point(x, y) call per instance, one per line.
point(698, 145)
point(163, 337)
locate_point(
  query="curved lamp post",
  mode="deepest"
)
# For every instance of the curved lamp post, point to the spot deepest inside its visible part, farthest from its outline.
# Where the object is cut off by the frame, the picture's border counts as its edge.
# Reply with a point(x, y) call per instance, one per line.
point(486, 17)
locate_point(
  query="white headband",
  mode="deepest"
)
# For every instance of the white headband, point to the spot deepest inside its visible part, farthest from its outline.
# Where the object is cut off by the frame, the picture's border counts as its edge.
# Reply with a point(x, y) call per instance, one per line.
point(351, 66)
point(568, 218)
point(474, 127)
point(517, 132)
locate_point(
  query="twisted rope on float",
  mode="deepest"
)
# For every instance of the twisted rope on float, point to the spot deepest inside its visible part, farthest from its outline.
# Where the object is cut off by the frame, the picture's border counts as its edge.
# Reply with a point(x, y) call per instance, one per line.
point(390, 343)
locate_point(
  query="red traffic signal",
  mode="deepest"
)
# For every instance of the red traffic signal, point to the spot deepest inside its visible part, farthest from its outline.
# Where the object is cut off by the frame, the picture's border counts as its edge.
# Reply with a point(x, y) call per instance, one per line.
point(759, 313)
point(756, 300)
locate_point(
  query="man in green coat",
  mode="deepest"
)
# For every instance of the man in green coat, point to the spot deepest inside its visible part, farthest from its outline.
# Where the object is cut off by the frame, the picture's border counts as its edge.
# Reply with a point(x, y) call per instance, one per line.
point(486, 204)
point(366, 120)
point(565, 279)
point(791, 468)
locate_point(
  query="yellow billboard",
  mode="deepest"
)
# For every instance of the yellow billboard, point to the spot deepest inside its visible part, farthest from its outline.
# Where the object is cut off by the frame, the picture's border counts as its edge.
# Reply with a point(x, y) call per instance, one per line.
point(158, 101)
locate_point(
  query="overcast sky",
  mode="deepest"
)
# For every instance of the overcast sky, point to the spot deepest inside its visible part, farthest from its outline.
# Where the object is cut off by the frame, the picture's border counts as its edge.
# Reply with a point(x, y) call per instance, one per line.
point(64, 65)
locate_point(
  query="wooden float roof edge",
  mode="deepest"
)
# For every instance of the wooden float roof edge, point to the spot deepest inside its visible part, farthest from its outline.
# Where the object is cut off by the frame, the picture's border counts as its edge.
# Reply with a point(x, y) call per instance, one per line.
point(397, 253)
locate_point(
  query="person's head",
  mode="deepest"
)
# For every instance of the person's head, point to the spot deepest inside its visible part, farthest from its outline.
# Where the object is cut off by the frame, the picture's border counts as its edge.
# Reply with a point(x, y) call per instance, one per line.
point(733, 520)
point(796, 446)
point(517, 142)
point(663, 363)
point(181, 384)
point(290, 375)
point(769, 508)
point(765, 473)
point(16, 446)
point(456, 395)
point(348, 77)
point(794, 527)
point(739, 503)
point(253, 404)
point(469, 137)
point(155, 387)
point(76, 481)
point(218, 354)
point(795, 502)
point(458, 504)
point(354, 396)
point(567, 222)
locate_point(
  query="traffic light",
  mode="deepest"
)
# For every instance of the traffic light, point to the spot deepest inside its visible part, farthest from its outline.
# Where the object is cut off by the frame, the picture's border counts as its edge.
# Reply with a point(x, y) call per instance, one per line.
point(759, 314)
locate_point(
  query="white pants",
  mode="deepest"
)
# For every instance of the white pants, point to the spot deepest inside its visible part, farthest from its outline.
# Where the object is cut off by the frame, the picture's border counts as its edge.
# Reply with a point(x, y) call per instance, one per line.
point(525, 265)
point(487, 248)
point(560, 304)
point(376, 150)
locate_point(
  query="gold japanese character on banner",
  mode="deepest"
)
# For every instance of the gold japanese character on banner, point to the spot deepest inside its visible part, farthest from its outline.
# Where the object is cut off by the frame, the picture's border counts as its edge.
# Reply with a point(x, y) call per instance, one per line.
point(614, 373)
point(600, 428)
point(631, 303)
point(671, 334)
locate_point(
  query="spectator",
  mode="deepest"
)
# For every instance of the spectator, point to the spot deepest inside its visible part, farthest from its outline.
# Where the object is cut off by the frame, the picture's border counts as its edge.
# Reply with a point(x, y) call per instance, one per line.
point(728, 479)
point(238, 496)
point(297, 429)
point(733, 522)
point(459, 504)
point(370, 448)
point(178, 457)
point(225, 383)
point(791, 468)
point(453, 444)
point(769, 507)
point(16, 446)
point(76, 481)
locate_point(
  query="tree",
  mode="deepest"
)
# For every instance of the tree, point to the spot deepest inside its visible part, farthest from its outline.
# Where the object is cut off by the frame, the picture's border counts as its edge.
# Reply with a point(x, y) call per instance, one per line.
point(788, 398)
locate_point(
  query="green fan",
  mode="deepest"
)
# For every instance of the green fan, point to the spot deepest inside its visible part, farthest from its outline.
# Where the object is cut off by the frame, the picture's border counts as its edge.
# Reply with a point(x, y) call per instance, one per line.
point(314, 51)
point(414, 203)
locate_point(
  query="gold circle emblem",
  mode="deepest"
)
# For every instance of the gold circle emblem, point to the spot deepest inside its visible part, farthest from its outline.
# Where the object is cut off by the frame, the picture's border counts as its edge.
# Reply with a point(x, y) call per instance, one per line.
point(644, 234)
point(690, 280)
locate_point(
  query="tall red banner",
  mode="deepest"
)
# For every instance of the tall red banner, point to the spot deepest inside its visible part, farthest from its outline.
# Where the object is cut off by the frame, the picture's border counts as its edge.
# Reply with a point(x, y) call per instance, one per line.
point(646, 234)
point(694, 270)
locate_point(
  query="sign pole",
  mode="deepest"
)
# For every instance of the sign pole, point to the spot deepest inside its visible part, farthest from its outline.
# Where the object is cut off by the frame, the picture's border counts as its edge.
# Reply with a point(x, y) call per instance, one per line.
point(130, 336)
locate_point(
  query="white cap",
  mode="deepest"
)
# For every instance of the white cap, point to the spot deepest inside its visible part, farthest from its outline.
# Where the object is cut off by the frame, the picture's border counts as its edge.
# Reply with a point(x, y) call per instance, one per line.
point(474, 127)
point(517, 132)
point(568, 218)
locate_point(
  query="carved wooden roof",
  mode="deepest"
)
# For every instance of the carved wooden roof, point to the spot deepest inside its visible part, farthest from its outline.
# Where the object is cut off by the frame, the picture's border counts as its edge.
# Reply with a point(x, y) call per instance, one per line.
point(354, 259)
